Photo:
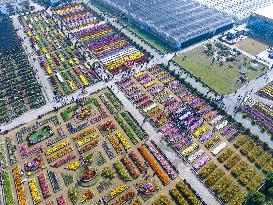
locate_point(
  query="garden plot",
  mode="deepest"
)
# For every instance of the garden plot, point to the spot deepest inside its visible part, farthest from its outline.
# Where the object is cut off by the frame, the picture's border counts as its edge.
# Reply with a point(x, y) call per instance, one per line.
point(259, 108)
point(19, 89)
point(216, 147)
point(67, 70)
point(115, 52)
point(88, 152)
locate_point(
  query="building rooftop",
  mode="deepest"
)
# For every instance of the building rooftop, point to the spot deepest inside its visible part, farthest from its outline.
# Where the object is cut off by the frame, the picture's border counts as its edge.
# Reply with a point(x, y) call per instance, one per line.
point(266, 12)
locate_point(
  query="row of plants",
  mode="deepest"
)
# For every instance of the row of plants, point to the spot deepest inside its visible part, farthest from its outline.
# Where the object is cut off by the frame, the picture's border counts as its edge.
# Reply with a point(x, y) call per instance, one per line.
point(3, 158)
point(188, 193)
point(11, 147)
point(137, 129)
point(87, 139)
point(124, 174)
point(260, 113)
point(19, 186)
point(177, 196)
point(57, 147)
point(44, 185)
point(160, 173)
point(162, 200)
point(89, 146)
point(108, 104)
point(114, 100)
point(126, 197)
point(112, 49)
point(130, 167)
point(7, 189)
point(54, 181)
point(60, 154)
point(161, 158)
point(25, 151)
point(138, 162)
point(115, 144)
point(34, 191)
point(122, 140)
point(20, 90)
point(126, 129)
point(84, 133)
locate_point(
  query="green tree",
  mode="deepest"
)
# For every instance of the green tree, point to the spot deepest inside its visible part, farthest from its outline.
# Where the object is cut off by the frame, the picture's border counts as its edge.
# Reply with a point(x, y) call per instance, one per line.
point(255, 198)
point(107, 172)
point(270, 191)
point(73, 194)
point(269, 180)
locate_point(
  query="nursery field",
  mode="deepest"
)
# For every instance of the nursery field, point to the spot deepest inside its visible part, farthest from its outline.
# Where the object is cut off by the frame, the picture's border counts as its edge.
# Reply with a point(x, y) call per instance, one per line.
point(91, 152)
point(19, 89)
point(116, 52)
point(229, 161)
point(65, 66)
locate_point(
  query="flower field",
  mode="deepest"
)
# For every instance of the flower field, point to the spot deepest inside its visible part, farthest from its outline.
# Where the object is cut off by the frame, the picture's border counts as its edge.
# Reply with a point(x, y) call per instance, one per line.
point(267, 91)
point(261, 113)
point(86, 153)
point(115, 52)
point(19, 89)
point(67, 69)
point(228, 161)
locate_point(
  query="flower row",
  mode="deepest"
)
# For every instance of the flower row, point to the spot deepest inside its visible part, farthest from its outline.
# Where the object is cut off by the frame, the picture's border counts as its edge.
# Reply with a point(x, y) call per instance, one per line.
point(44, 185)
point(60, 154)
point(115, 144)
point(162, 160)
point(83, 134)
point(130, 167)
point(57, 147)
point(87, 139)
point(88, 146)
point(123, 140)
point(19, 186)
point(162, 176)
point(34, 191)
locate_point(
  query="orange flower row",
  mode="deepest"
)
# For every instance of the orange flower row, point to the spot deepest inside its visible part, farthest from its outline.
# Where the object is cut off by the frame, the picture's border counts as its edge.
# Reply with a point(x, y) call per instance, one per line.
point(84, 133)
point(89, 146)
point(19, 186)
point(115, 144)
point(153, 112)
point(162, 122)
point(162, 176)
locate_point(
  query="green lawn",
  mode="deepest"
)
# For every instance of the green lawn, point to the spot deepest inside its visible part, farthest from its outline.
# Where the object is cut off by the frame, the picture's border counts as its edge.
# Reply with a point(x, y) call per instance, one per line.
point(102, 7)
point(149, 38)
point(223, 79)
point(252, 46)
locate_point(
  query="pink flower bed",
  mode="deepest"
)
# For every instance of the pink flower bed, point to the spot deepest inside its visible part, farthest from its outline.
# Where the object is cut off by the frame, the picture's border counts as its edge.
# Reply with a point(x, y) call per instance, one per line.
point(44, 185)
point(25, 152)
